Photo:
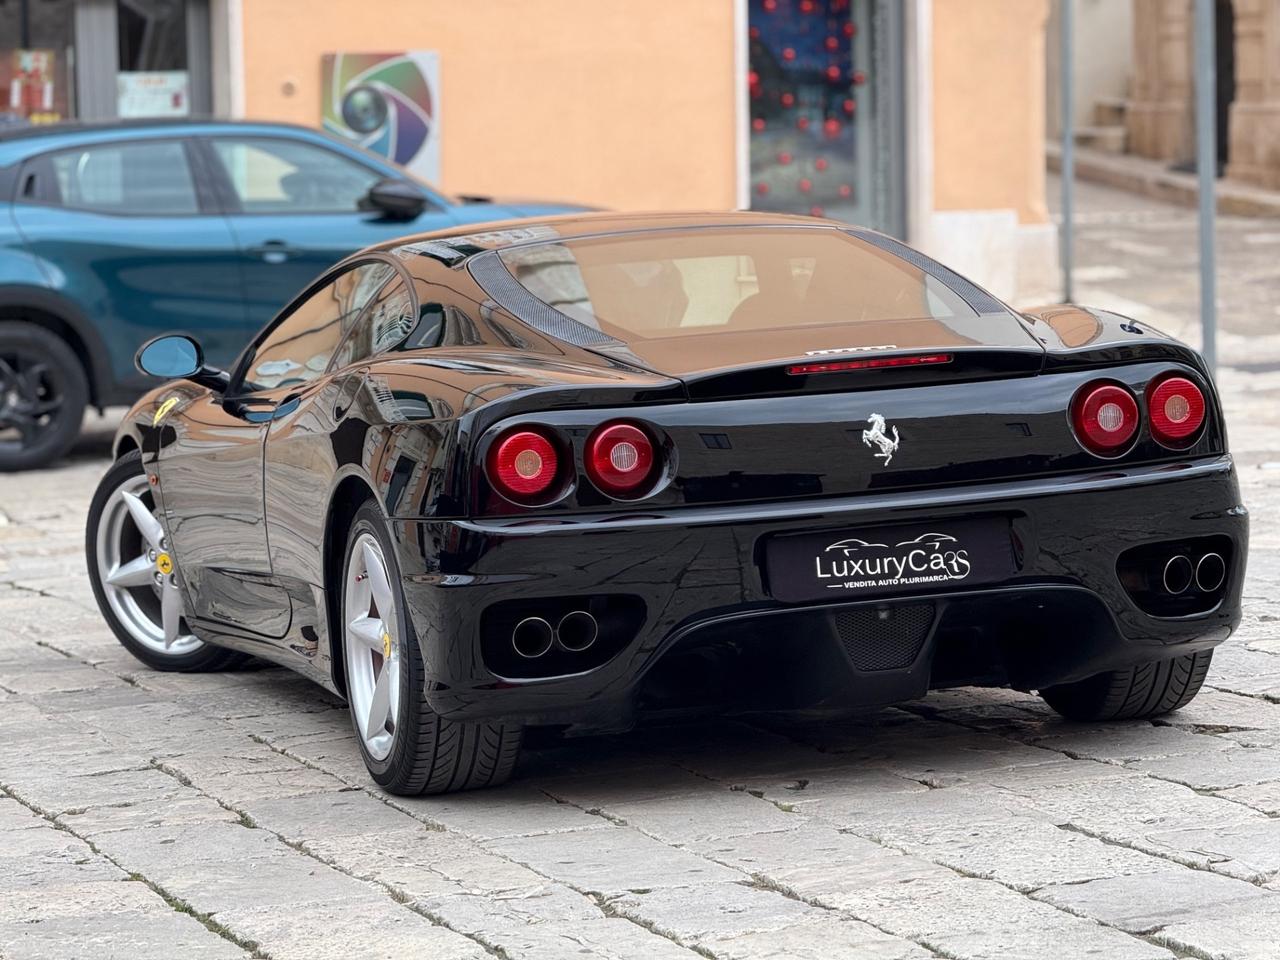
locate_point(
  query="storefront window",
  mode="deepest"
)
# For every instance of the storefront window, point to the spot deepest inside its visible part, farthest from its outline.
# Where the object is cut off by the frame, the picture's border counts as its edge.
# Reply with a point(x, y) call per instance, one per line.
point(807, 74)
point(154, 80)
point(36, 61)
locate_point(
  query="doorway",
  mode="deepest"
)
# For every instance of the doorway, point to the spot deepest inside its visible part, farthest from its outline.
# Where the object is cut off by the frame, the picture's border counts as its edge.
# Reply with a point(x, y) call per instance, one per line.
point(1224, 34)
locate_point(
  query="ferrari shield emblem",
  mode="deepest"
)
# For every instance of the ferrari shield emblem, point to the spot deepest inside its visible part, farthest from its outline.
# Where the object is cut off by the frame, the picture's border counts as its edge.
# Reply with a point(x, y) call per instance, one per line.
point(164, 563)
point(163, 410)
point(876, 437)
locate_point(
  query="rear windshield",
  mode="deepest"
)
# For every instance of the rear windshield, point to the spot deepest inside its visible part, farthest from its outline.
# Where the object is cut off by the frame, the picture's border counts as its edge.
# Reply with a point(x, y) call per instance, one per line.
point(670, 283)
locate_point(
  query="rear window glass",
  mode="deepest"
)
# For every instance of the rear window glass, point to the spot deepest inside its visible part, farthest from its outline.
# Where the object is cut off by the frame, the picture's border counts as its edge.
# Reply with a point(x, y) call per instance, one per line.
point(663, 284)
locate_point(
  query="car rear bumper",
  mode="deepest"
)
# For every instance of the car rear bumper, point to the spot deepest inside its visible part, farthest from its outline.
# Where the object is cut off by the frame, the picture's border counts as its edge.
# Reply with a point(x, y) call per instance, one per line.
point(683, 579)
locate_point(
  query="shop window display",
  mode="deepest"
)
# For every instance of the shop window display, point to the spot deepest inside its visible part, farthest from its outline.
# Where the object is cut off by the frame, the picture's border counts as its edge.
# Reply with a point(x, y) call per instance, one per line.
point(36, 62)
point(807, 71)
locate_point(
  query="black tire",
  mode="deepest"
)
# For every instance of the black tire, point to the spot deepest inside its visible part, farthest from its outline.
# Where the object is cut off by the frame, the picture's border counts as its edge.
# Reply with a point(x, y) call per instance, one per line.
point(47, 372)
point(206, 657)
point(429, 754)
point(1147, 690)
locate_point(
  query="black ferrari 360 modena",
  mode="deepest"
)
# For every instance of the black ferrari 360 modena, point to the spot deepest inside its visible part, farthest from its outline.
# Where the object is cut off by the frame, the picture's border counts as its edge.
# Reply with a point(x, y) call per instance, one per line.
point(567, 473)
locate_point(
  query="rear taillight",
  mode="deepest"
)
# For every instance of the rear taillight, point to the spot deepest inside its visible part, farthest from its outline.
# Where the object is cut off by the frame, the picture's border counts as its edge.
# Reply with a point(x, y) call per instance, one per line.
point(1105, 417)
point(1176, 407)
point(523, 464)
point(621, 460)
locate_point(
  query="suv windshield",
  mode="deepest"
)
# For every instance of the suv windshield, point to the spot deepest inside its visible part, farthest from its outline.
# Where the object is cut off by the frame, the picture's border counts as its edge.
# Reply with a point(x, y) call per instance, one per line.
point(672, 283)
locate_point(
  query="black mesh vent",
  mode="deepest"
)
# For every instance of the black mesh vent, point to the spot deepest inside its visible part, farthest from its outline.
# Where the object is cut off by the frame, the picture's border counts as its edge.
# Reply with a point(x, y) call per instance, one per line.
point(488, 270)
point(970, 292)
point(884, 638)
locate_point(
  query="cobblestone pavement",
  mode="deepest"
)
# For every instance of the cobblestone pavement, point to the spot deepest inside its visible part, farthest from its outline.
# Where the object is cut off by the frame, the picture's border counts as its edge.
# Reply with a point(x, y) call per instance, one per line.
point(159, 815)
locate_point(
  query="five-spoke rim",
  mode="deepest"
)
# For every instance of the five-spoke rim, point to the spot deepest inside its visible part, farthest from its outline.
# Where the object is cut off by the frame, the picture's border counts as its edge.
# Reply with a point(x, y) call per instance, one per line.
point(30, 399)
point(139, 574)
point(372, 646)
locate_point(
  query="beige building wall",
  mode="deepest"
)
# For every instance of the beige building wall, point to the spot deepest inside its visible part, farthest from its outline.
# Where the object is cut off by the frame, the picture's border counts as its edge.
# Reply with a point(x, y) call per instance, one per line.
point(990, 218)
point(609, 102)
point(634, 104)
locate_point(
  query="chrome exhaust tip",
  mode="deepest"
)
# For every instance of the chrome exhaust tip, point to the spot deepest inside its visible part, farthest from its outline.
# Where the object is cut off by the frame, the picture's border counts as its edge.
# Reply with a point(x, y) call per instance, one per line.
point(1178, 574)
point(1210, 572)
point(532, 637)
point(577, 631)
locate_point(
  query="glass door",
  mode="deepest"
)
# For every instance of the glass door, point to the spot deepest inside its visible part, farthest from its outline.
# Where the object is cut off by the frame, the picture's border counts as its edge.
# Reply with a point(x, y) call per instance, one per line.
point(824, 87)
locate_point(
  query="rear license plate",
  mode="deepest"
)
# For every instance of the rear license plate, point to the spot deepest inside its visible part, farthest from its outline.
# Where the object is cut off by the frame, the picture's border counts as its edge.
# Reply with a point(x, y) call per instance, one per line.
point(843, 564)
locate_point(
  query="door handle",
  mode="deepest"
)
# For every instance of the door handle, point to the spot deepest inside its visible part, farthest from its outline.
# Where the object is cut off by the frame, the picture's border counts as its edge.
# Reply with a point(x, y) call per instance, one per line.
point(273, 251)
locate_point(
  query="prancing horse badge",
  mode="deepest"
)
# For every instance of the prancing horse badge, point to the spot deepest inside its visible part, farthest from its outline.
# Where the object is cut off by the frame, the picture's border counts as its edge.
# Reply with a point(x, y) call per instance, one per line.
point(877, 437)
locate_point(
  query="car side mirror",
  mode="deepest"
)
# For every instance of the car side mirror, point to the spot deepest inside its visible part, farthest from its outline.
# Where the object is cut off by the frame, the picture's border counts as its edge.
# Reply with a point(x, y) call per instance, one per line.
point(175, 356)
point(396, 199)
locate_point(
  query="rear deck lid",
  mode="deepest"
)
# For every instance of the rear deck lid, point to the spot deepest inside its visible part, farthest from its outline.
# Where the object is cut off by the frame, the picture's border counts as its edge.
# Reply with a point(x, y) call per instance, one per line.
point(763, 308)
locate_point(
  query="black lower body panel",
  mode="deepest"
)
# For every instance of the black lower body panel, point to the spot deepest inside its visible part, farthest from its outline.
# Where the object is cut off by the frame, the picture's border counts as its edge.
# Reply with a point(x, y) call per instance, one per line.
point(881, 597)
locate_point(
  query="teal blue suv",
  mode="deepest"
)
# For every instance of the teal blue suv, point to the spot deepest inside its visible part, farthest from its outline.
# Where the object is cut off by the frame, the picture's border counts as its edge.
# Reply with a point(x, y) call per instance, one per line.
point(115, 233)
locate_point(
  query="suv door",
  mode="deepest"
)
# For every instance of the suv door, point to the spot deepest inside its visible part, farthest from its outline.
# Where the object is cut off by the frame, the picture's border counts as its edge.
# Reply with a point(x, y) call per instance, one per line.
point(295, 206)
point(127, 230)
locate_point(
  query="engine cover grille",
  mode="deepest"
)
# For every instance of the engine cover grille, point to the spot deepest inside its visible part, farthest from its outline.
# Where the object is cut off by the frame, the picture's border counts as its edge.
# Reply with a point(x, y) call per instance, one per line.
point(884, 638)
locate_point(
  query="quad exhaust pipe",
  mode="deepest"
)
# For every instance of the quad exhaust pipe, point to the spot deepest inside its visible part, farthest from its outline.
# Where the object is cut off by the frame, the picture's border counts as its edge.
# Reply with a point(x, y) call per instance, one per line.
point(1206, 574)
point(1210, 572)
point(534, 636)
point(1178, 574)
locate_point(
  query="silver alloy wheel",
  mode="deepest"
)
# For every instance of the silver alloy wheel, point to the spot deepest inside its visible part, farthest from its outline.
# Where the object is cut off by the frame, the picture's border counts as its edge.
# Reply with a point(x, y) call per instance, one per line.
point(139, 574)
point(371, 644)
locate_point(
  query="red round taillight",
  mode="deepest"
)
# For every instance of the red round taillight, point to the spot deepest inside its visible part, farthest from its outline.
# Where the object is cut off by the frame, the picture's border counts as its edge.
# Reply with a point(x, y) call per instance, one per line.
point(620, 459)
point(1176, 407)
point(522, 464)
point(1105, 417)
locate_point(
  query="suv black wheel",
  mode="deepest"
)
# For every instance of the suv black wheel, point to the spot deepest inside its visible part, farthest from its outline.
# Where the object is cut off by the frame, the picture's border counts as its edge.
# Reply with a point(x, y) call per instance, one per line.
point(43, 393)
point(407, 747)
point(1147, 690)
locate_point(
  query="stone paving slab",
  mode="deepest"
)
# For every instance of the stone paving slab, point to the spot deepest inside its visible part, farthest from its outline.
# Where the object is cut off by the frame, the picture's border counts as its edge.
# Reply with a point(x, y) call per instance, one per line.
point(160, 815)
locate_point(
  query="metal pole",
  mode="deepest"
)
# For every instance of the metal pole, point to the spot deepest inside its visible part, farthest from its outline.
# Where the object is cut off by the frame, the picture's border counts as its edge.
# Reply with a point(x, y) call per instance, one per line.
point(1066, 29)
point(24, 24)
point(1207, 169)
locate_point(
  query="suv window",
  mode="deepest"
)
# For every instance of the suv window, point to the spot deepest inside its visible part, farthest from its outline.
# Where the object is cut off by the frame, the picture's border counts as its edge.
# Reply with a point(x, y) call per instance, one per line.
point(140, 178)
point(298, 348)
point(384, 324)
point(284, 176)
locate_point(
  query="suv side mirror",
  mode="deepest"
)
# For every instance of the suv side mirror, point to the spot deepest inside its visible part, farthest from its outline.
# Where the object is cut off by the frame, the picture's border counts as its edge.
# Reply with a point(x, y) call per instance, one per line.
point(396, 199)
point(175, 356)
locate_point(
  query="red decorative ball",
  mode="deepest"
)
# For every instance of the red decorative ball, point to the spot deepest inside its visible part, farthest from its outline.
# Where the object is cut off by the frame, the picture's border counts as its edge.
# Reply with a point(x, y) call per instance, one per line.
point(803, 123)
point(788, 53)
point(770, 6)
point(816, 211)
point(846, 190)
point(833, 44)
point(831, 128)
point(849, 105)
point(784, 158)
point(859, 78)
point(806, 6)
point(820, 163)
point(805, 185)
point(754, 33)
point(753, 78)
point(762, 188)
point(850, 29)
point(757, 124)
point(833, 73)
point(788, 99)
